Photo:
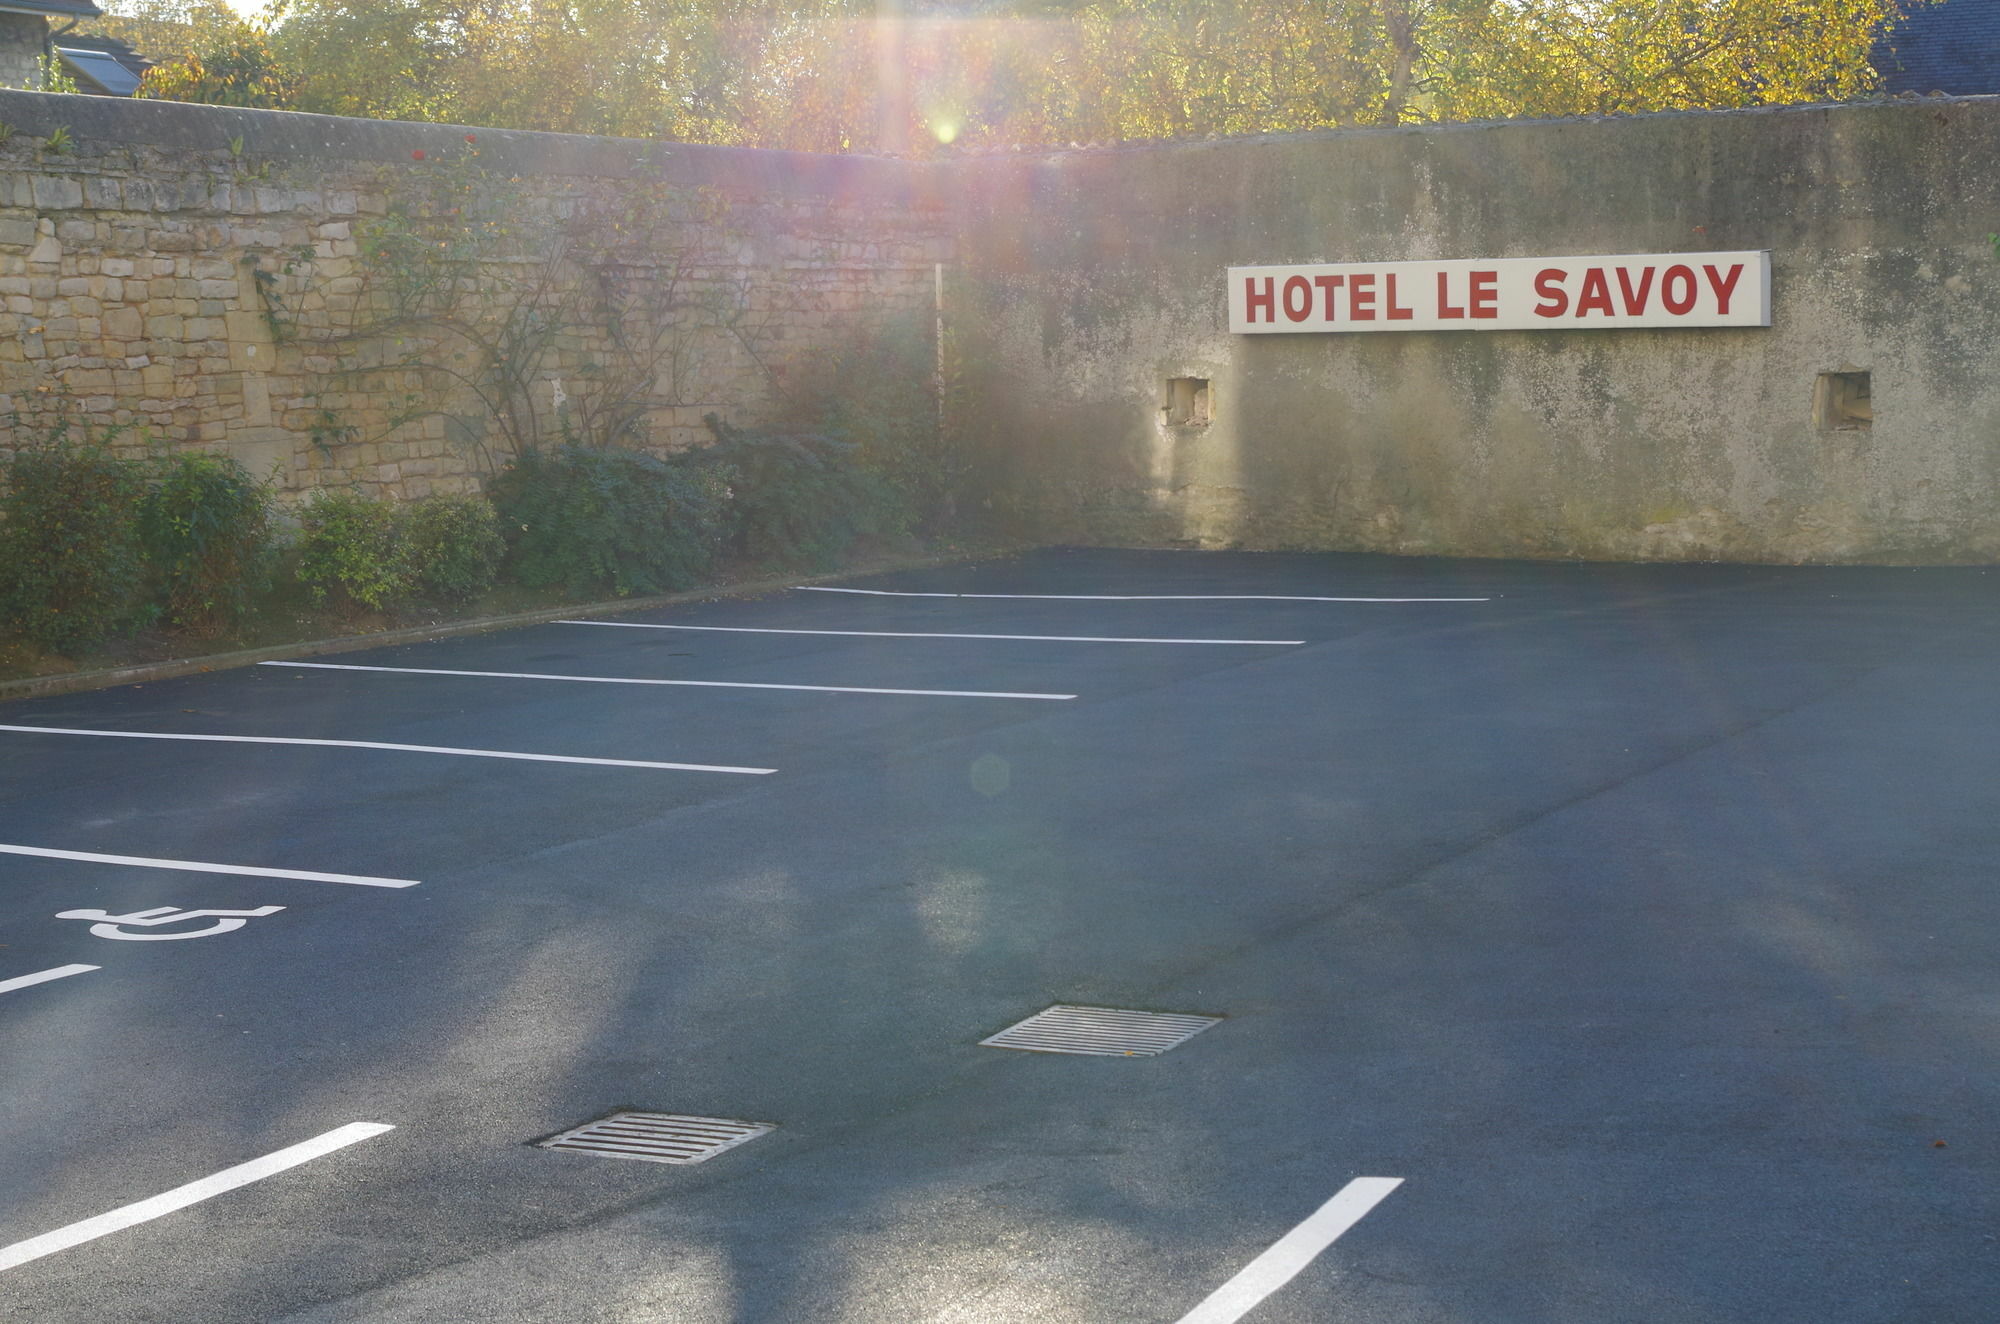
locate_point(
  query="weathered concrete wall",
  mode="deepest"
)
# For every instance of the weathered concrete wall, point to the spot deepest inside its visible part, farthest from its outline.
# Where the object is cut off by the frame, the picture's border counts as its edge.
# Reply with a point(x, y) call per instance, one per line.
point(1089, 278)
point(256, 283)
point(21, 38)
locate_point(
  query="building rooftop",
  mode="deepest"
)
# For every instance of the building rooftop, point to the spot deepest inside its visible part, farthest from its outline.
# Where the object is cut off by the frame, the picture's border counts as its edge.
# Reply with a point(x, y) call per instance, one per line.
point(104, 66)
point(1952, 46)
point(52, 8)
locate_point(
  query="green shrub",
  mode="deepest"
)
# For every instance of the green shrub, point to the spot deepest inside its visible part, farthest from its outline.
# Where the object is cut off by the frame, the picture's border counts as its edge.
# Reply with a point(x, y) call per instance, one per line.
point(880, 396)
point(800, 498)
point(592, 519)
point(206, 530)
point(453, 546)
point(71, 567)
point(351, 548)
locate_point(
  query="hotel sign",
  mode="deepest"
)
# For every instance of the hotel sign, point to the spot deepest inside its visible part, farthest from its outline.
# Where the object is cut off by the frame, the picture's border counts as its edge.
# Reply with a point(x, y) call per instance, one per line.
point(1505, 294)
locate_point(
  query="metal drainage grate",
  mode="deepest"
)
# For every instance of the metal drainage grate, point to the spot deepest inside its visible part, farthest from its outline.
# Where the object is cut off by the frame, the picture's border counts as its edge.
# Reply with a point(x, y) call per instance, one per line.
point(1105, 1031)
point(658, 1137)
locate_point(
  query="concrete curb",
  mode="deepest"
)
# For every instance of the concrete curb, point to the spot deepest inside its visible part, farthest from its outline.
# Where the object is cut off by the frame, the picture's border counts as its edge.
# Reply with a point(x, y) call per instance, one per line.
point(105, 677)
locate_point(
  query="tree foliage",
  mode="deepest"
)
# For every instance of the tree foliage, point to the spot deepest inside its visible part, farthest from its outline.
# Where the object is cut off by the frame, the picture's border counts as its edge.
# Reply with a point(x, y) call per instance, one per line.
point(232, 68)
point(858, 75)
point(1560, 57)
point(167, 30)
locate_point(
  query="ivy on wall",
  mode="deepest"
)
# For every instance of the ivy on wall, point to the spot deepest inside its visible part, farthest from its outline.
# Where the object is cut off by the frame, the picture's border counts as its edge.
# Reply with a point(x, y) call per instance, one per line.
point(524, 320)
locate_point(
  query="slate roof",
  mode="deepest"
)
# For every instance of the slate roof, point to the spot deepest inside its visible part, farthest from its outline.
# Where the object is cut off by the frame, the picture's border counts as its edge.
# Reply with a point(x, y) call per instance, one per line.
point(1951, 46)
point(52, 8)
point(103, 66)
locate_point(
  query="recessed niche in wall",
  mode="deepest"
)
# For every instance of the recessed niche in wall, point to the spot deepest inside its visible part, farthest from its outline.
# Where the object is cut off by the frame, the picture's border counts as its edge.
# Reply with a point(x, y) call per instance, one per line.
point(1841, 402)
point(1188, 402)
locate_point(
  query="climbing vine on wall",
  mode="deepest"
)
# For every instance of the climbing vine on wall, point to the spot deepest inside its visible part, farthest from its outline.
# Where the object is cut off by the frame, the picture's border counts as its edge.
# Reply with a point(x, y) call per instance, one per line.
point(523, 320)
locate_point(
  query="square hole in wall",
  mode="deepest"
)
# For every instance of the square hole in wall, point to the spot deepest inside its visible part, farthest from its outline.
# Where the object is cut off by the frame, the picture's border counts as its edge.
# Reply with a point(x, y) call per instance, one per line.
point(1188, 402)
point(1842, 402)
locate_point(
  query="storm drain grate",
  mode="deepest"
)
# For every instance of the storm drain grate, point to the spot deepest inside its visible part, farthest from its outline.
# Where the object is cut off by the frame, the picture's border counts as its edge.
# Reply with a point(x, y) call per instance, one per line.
point(658, 1137)
point(1106, 1031)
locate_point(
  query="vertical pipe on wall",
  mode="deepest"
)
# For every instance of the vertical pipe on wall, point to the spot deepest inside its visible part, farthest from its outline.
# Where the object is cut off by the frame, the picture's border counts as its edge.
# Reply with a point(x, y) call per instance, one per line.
point(937, 340)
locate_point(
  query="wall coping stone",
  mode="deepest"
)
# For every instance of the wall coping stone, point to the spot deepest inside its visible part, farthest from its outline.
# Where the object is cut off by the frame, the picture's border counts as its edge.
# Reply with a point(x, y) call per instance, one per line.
point(186, 126)
point(292, 137)
point(1874, 105)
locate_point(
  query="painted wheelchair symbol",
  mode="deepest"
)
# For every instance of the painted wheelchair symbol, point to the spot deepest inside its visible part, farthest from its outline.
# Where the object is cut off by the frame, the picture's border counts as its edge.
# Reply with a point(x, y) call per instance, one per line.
point(113, 926)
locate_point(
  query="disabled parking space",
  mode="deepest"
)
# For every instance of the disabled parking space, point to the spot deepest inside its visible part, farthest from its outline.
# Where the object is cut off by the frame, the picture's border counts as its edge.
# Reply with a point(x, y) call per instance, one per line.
point(1539, 903)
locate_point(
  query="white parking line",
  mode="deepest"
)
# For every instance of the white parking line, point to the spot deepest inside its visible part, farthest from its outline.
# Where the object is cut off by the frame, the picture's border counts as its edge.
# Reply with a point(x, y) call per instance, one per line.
point(1292, 1252)
point(638, 680)
point(1121, 597)
point(144, 1211)
point(196, 866)
point(44, 976)
point(921, 634)
point(377, 744)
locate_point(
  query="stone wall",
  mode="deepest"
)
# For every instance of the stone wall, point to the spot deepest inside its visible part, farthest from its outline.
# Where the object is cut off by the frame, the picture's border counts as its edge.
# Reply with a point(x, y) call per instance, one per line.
point(257, 283)
point(21, 43)
point(397, 305)
point(1089, 279)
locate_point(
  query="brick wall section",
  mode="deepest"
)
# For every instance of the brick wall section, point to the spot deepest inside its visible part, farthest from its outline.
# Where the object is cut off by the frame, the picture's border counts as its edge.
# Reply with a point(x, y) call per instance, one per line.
point(130, 296)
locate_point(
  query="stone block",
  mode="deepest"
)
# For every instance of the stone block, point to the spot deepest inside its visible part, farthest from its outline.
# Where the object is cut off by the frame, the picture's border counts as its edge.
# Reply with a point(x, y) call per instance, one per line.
point(256, 400)
point(56, 193)
point(17, 233)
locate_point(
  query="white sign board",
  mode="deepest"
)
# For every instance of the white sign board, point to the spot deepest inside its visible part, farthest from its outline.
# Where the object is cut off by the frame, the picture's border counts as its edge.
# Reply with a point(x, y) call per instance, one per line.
point(1505, 294)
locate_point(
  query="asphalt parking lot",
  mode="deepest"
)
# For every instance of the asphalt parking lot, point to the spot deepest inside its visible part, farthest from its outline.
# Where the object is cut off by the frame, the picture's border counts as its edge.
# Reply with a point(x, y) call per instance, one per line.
point(1587, 943)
